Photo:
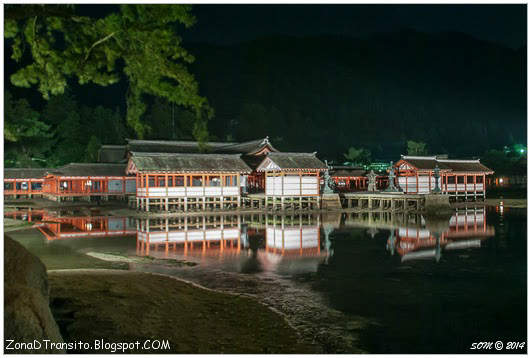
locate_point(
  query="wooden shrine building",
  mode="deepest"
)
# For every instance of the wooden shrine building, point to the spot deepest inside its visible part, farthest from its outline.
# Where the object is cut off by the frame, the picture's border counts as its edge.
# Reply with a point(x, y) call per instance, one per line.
point(252, 153)
point(23, 182)
point(88, 180)
point(350, 179)
point(184, 181)
point(112, 154)
point(458, 178)
point(292, 179)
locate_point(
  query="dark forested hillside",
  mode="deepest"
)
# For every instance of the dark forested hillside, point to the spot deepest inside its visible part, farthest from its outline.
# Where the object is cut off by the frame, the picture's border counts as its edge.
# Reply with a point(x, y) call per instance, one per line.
point(458, 94)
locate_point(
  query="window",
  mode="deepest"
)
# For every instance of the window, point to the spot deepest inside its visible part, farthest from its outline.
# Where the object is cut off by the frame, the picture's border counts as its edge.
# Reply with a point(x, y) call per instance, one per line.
point(470, 179)
point(179, 181)
point(227, 180)
point(151, 181)
point(460, 179)
point(451, 180)
point(479, 179)
point(214, 181)
point(197, 180)
point(170, 181)
point(36, 186)
point(161, 181)
point(8, 186)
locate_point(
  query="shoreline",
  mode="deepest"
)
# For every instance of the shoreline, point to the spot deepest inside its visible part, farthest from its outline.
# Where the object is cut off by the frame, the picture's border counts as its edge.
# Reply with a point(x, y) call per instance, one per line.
point(201, 319)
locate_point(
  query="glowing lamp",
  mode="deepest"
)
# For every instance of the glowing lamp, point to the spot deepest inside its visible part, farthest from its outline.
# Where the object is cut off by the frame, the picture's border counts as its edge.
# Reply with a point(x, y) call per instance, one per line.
point(501, 180)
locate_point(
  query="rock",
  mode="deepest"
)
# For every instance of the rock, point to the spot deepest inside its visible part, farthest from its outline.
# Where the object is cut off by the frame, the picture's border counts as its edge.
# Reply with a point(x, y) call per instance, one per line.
point(28, 321)
point(437, 204)
point(23, 268)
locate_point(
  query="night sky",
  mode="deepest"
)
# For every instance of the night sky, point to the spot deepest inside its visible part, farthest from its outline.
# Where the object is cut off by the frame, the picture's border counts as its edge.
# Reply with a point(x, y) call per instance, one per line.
point(374, 76)
point(225, 24)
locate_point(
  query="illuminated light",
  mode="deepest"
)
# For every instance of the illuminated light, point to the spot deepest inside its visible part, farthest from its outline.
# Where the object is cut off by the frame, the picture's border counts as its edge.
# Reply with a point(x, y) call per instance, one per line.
point(89, 226)
point(522, 150)
point(501, 180)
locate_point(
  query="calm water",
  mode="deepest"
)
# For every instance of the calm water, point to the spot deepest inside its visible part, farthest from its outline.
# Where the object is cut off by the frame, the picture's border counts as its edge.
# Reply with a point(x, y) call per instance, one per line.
point(390, 283)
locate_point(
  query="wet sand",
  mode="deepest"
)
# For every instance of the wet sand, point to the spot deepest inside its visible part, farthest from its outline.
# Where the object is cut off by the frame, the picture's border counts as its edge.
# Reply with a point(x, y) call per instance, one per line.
point(124, 306)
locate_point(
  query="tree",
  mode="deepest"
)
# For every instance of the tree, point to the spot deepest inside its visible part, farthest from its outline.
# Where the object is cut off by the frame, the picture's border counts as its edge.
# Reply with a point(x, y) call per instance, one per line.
point(166, 121)
point(416, 148)
point(358, 156)
point(138, 42)
point(27, 138)
point(91, 154)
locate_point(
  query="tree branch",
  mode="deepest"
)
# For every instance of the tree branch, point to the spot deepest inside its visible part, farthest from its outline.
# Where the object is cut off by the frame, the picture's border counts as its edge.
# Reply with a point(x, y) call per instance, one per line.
point(97, 43)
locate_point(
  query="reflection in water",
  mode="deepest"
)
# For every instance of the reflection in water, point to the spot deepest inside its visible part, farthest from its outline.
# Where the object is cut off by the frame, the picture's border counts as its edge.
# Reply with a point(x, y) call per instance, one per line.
point(265, 241)
point(347, 268)
point(466, 230)
point(413, 238)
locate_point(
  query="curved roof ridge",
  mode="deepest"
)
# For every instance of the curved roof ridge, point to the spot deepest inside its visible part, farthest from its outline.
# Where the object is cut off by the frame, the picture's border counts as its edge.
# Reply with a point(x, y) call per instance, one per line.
point(459, 160)
point(176, 142)
point(164, 154)
point(292, 153)
point(421, 157)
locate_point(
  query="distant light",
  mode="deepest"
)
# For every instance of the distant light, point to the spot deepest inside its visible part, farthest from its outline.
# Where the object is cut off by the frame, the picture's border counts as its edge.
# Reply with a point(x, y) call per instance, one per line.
point(522, 150)
point(501, 180)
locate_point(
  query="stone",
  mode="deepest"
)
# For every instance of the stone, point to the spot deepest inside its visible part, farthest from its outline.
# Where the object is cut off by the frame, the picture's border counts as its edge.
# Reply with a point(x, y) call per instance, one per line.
point(330, 202)
point(28, 320)
point(435, 204)
point(23, 268)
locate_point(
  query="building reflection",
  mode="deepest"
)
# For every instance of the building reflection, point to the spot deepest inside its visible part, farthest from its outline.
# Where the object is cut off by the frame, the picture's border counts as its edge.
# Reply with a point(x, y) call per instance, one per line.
point(192, 235)
point(265, 242)
point(466, 229)
point(268, 242)
point(54, 226)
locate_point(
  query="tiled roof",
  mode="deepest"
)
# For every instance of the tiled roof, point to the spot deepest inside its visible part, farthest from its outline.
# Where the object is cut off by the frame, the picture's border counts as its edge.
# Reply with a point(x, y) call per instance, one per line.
point(166, 146)
point(111, 153)
point(179, 162)
point(90, 169)
point(454, 165)
point(25, 173)
point(292, 161)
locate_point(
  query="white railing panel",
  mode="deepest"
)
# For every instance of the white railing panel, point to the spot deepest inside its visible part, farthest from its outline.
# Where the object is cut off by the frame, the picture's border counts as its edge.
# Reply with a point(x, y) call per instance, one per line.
point(194, 192)
point(213, 191)
point(231, 233)
point(195, 235)
point(291, 180)
point(231, 191)
point(309, 180)
point(176, 236)
point(176, 192)
point(213, 234)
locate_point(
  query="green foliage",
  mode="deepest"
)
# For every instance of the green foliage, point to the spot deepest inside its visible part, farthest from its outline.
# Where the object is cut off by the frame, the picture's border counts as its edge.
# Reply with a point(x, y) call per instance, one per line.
point(65, 132)
point(91, 154)
point(504, 163)
point(27, 138)
point(416, 148)
point(138, 42)
point(358, 156)
point(167, 121)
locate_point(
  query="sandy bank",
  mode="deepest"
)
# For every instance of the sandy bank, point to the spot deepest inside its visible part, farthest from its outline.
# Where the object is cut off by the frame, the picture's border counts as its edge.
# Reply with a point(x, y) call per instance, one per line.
point(121, 306)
